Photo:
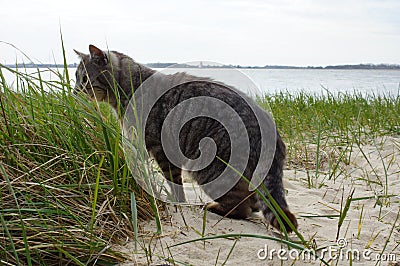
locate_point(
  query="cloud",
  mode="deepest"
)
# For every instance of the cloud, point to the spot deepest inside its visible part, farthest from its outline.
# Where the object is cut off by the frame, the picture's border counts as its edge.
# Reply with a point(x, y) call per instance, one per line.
point(299, 32)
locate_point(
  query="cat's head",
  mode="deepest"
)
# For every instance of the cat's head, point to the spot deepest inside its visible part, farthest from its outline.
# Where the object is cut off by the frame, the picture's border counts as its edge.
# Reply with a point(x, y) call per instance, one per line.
point(94, 75)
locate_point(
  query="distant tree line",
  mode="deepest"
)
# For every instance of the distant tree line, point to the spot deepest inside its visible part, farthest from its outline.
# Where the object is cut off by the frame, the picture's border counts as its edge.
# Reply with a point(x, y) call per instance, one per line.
point(201, 65)
point(359, 66)
point(365, 66)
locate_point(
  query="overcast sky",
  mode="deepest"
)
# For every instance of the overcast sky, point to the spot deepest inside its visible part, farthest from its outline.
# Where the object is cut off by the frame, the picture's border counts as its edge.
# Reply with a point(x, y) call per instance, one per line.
point(245, 32)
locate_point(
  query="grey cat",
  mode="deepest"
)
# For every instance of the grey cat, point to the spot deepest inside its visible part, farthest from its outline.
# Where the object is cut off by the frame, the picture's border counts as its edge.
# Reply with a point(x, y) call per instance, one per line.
point(113, 77)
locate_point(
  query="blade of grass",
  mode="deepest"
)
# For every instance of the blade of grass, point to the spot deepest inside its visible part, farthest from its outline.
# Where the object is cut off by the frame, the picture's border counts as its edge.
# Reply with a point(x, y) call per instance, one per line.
point(343, 211)
point(230, 252)
point(134, 219)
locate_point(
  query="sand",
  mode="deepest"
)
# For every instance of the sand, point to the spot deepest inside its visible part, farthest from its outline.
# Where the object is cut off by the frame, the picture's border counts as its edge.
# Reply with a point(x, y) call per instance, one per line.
point(371, 228)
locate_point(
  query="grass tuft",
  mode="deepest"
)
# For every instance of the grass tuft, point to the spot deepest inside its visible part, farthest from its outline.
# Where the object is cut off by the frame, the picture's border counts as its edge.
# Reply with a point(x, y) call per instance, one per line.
point(65, 189)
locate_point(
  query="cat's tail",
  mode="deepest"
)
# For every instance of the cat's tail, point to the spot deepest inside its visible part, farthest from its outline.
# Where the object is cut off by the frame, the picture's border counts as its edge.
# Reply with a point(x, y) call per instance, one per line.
point(274, 185)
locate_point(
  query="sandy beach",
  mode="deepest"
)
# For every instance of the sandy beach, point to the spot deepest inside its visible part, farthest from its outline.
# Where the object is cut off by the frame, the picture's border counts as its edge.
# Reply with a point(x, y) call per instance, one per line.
point(370, 230)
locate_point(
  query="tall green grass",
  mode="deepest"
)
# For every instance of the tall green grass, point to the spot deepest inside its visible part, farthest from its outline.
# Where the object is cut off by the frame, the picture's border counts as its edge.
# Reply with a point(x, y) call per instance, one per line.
point(312, 124)
point(65, 188)
point(341, 115)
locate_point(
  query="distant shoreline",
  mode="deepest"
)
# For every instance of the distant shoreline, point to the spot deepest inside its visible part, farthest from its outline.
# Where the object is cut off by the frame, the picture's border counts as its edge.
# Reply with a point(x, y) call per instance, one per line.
point(165, 65)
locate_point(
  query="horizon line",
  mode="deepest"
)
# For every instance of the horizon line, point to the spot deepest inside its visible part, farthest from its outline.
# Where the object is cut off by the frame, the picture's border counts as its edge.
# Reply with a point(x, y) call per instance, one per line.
point(200, 65)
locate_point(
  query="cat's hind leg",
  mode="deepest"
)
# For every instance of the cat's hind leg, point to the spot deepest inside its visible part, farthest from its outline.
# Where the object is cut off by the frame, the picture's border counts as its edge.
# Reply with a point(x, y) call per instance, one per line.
point(273, 184)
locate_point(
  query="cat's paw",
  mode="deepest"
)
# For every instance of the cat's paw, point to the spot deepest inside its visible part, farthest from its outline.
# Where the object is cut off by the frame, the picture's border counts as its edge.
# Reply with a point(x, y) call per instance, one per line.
point(274, 222)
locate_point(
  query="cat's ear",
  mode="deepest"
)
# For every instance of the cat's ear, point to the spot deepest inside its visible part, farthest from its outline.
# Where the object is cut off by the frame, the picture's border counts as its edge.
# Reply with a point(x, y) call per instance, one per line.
point(97, 54)
point(81, 55)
